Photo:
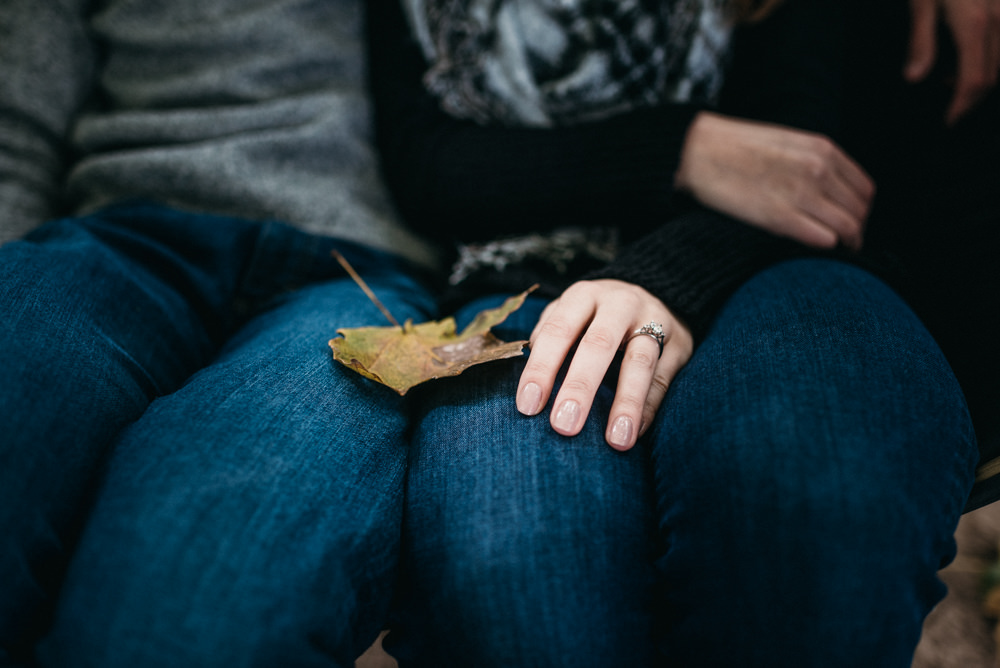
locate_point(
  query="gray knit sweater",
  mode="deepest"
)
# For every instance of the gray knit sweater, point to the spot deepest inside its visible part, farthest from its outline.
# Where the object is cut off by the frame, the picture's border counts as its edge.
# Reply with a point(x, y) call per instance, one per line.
point(252, 108)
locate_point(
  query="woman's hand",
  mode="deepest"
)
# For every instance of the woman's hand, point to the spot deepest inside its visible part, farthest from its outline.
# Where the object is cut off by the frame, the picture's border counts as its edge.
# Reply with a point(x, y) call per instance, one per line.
point(599, 317)
point(789, 182)
point(975, 26)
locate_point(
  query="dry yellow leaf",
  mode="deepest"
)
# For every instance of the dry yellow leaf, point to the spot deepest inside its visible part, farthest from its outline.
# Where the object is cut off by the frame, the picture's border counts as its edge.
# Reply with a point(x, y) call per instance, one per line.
point(403, 357)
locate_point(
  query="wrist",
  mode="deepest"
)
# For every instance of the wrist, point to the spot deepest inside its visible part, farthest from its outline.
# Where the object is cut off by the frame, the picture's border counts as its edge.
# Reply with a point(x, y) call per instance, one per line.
point(693, 143)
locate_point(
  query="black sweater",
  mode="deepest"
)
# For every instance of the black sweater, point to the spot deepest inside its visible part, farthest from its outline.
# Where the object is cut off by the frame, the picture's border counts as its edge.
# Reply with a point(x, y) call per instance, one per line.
point(457, 180)
point(823, 65)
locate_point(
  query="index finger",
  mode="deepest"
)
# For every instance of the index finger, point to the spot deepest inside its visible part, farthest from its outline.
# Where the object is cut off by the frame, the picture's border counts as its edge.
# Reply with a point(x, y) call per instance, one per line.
point(551, 341)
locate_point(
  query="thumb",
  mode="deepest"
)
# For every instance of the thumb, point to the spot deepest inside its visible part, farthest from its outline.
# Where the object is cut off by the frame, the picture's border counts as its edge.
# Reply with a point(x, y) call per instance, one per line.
point(923, 43)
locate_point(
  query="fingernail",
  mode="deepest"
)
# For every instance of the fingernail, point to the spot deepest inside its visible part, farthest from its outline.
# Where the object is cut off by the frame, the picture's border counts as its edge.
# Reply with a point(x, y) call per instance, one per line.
point(566, 416)
point(530, 399)
point(621, 432)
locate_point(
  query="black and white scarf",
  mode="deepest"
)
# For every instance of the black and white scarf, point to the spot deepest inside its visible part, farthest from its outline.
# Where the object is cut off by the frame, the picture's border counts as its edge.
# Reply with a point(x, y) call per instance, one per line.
point(554, 62)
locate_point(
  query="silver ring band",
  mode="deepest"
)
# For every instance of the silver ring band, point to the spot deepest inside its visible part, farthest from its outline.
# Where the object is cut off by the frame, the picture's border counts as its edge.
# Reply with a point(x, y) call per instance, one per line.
point(654, 330)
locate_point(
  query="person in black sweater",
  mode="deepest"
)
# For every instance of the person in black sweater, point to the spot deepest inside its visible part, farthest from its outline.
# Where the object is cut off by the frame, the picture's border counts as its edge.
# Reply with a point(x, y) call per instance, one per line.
point(778, 406)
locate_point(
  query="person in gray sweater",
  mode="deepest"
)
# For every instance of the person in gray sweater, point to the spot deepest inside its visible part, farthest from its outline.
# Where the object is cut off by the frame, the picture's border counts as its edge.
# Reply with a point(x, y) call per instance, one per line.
point(258, 112)
point(164, 333)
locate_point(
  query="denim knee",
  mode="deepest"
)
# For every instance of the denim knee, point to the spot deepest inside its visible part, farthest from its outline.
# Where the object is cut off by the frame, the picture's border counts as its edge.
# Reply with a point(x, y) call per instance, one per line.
point(811, 463)
point(521, 547)
point(264, 494)
point(88, 343)
point(251, 517)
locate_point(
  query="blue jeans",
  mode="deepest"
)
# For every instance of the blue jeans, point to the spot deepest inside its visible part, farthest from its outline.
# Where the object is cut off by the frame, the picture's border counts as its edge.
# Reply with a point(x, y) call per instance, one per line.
point(225, 494)
point(790, 507)
point(166, 377)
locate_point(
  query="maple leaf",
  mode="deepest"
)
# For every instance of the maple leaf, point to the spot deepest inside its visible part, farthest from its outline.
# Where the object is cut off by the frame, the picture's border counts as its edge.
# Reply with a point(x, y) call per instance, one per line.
point(403, 357)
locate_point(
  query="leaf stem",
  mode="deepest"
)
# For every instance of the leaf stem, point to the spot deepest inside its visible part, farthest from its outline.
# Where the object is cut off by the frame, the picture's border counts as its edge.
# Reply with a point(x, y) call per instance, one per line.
point(364, 286)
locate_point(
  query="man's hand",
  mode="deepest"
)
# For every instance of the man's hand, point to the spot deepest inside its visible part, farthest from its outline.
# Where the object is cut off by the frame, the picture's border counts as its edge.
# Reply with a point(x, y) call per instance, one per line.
point(975, 26)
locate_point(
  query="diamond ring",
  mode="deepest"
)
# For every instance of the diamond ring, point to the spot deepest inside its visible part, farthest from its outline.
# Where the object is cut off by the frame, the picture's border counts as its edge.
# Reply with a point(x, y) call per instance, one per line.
point(654, 330)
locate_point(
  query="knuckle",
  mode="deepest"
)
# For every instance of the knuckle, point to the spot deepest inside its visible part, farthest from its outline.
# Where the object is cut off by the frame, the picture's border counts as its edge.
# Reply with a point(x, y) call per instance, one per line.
point(826, 146)
point(632, 404)
point(821, 145)
point(577, 386)
point(600, 338)
point(556, 327)
point(537, 369)
point(641, 356)
point(579, 290)
point(817, 166)
point(658, 385)
point(629, 300)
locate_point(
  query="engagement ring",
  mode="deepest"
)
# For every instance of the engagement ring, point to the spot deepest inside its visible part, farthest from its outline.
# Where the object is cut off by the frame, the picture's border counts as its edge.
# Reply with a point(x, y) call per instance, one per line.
point(653, 330)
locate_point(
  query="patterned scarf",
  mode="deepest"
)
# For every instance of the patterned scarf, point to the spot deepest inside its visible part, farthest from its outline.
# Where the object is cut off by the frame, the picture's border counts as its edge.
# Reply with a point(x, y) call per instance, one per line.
point(556, 62)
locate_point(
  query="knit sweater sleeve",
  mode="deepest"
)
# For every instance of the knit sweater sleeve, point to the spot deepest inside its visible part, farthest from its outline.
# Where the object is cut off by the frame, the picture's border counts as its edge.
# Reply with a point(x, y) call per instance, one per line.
point(456, 179)
point(695, 261)
point(46, 70)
